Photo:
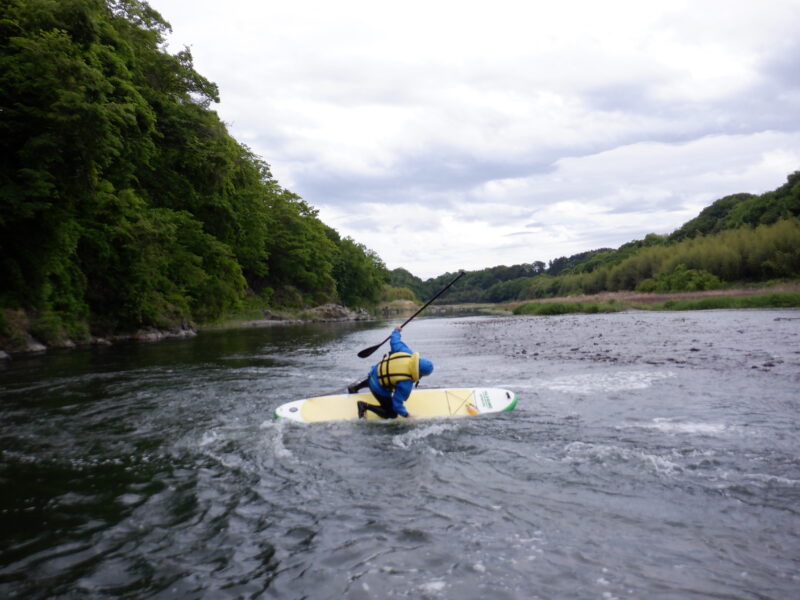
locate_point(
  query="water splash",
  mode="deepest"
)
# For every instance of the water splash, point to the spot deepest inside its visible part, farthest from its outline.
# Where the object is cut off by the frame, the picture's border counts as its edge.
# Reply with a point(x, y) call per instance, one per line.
point(580, 453)
point(617, 381)
point(411, 437)
point(276, 430)
point(672, 426)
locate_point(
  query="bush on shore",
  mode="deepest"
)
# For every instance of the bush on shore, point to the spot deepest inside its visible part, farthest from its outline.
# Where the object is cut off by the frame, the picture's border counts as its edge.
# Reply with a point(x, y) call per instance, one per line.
point(770, 300)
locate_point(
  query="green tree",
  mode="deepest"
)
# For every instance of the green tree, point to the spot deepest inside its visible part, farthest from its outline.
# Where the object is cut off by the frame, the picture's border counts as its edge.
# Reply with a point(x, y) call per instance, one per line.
point(359, 272)
point(300, 253)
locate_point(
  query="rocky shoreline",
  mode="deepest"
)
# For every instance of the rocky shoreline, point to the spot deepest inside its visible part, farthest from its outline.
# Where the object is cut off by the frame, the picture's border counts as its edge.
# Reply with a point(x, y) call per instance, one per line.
point(327, 313)
point(31, 345)
point(320, 314)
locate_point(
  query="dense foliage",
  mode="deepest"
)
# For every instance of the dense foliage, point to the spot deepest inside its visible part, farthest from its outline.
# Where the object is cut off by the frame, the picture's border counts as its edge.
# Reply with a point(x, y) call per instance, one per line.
point(494, 284)
point(123, 199)
point(742, 210)
point(743, 238)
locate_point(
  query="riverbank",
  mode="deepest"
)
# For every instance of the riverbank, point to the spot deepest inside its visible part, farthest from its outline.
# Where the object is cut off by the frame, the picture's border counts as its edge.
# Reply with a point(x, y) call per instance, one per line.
point(327, 313)
point(22, 342)
point(778, 296)
point(20, 336)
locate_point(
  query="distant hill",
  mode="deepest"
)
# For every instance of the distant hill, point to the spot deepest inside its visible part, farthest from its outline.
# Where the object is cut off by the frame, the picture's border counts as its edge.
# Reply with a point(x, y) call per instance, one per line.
point(739, 210)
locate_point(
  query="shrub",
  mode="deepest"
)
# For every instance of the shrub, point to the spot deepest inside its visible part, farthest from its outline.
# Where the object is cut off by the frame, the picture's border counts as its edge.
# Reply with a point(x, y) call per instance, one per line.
point(563, 308)
point(48, 328)
point(681, 279)
point(389, 293)
point(774, 300)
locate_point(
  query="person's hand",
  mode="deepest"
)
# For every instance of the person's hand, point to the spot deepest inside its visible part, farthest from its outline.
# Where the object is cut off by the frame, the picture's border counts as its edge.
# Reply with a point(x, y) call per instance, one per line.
point(399, 328)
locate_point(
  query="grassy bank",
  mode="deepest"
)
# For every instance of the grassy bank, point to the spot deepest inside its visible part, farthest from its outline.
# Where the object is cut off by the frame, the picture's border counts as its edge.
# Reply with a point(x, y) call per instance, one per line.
point(560, 307)
point(567, 307)
point(773, 300)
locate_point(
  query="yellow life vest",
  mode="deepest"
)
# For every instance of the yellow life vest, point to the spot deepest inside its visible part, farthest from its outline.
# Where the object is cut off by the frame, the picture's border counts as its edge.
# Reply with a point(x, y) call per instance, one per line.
point(398, 366)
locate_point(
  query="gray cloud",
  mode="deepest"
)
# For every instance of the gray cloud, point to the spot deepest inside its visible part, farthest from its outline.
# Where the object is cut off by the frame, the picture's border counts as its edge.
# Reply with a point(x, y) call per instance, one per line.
point(450, 135)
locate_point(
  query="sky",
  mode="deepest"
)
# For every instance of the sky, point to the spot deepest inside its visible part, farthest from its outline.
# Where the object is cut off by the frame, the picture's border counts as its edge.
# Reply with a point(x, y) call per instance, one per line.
point(447, 135)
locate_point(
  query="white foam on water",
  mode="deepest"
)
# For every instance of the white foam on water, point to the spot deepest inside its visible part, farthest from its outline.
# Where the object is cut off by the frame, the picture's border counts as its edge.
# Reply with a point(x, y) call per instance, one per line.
point(433, 587)
point(668, 425)
point(407, 439)
point(592, 383)
point(276, 428)
point(131, 499)
point(522, 385)
point(766, 478)
point(209, 437)
point(582, 452)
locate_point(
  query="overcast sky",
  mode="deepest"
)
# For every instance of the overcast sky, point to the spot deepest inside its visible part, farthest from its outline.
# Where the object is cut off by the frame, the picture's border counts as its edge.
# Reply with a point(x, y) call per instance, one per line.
point(450, 135)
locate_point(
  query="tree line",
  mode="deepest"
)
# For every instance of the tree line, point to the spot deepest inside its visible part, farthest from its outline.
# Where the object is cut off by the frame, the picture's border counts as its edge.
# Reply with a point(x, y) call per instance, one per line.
point(124, 201)
point(742, 238)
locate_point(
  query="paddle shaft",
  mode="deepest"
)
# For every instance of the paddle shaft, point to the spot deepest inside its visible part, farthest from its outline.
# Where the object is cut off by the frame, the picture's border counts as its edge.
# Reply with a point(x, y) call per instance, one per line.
point(367, 351)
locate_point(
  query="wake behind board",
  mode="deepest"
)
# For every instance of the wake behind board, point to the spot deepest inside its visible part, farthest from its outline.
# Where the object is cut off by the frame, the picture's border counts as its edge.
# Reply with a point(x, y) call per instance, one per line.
point(450, 402)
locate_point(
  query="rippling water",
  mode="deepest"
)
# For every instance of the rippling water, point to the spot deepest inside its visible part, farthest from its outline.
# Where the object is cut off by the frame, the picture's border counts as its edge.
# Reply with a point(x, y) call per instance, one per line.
point(650, 456)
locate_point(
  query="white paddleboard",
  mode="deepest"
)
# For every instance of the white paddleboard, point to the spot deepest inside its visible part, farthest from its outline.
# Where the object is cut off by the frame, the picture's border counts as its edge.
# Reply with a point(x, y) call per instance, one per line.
point(449, 402)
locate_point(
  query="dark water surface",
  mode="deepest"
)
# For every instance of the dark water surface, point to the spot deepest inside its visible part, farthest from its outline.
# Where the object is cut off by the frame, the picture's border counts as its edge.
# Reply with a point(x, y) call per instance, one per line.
point(652, 455)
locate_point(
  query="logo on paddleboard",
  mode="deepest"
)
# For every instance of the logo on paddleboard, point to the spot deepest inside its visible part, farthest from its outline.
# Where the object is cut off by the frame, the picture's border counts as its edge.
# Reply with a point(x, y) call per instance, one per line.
point(485, 402)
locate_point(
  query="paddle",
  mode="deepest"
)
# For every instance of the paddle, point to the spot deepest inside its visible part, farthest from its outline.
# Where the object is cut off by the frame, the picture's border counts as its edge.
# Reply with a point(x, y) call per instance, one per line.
point(367, 351)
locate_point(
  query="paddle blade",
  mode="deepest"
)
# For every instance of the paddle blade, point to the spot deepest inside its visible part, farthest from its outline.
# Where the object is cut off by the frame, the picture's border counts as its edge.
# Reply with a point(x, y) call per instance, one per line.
point(367, 351)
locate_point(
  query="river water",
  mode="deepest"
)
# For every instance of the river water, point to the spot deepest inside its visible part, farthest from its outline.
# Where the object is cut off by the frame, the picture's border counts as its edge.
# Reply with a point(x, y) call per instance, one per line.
point(651, 455)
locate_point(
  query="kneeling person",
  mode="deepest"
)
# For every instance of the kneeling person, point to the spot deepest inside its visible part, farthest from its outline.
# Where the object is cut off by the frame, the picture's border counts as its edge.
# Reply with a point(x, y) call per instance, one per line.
point(392, 379)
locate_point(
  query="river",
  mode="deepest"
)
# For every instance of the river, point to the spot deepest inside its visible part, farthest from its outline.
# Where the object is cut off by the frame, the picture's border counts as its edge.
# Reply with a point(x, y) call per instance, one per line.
point(651, 456)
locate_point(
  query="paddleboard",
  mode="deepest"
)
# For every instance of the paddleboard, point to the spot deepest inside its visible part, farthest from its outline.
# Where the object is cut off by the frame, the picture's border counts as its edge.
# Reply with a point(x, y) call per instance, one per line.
point(428, 404)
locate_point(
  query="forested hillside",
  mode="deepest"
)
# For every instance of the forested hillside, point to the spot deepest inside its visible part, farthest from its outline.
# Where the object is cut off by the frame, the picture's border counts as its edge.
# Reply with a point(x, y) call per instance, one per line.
point(124, 201)
point(739, 239)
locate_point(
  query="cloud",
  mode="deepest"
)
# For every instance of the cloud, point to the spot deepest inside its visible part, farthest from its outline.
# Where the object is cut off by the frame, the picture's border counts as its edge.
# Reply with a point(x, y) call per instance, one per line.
point(588, 202)
point(447, 135)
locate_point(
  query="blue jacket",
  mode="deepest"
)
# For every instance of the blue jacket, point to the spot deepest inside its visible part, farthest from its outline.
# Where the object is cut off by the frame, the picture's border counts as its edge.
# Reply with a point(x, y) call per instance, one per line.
point(403, 389)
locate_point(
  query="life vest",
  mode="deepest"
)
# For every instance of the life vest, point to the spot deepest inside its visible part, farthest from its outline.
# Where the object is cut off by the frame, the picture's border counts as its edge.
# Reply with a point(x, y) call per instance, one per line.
point(398, 366)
